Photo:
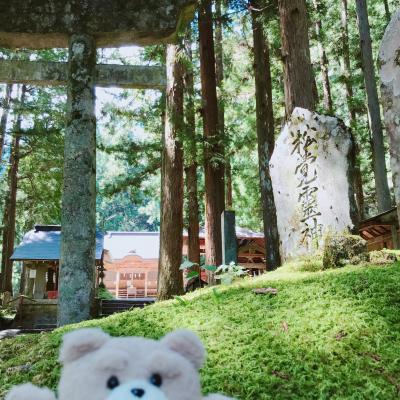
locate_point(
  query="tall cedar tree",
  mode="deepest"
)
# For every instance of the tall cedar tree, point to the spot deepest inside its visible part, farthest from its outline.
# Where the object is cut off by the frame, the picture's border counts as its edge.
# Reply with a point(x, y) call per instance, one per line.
point(213, 147)
point(300, 88)
point(265, 134)
point(219, 69)
point(4, 117)
point(387, 10)
point(191, 157)
point(170, 280)
point(323, 60)
point(11, 200)
point(346, 65)
point(378, 148)
point(347, 79)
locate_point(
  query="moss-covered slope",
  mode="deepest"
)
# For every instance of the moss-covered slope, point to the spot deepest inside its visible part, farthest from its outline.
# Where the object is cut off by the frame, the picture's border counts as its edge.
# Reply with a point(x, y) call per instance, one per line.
point(333, 334)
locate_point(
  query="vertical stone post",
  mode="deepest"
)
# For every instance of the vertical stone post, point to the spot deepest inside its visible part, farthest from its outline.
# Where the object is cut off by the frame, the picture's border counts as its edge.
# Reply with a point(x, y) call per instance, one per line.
point(229, 241)
point(78, 219)
point(395, 237)
point(40, 283)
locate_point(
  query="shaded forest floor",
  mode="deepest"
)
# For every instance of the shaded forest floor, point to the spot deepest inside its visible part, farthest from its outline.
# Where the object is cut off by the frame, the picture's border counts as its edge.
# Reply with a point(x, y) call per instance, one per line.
point(333, 334)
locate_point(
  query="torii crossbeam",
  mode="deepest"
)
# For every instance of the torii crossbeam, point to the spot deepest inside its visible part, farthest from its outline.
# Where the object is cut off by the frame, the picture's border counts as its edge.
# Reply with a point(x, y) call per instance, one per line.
point(82, 26)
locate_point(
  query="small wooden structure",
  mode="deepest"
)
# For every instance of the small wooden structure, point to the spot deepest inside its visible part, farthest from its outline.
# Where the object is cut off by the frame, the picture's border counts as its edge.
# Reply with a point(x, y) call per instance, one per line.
point(39, 253)
point(381, 231)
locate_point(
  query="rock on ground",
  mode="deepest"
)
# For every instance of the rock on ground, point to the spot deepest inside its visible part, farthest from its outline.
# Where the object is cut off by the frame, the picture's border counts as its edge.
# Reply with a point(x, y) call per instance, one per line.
point(382, 257)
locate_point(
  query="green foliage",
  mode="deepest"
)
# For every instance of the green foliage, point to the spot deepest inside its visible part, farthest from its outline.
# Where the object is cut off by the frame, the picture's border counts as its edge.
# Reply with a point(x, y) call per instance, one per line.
point(104, 294)
point(333, 334)
point(228, 273)
point(382, 257)
point(191, 268)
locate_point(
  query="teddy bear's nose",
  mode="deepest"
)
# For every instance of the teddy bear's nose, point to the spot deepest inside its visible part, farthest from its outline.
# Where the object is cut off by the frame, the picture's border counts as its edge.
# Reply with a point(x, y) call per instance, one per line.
point(137, 392)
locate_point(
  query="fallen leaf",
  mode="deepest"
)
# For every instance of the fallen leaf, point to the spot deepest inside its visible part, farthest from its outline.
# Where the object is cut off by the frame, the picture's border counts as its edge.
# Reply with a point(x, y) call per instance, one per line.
point(281, 375)
point(340, 335)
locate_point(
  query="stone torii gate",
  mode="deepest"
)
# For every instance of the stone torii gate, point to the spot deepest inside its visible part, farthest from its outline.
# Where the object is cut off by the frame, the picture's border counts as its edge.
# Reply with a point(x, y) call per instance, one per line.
point(82, 26)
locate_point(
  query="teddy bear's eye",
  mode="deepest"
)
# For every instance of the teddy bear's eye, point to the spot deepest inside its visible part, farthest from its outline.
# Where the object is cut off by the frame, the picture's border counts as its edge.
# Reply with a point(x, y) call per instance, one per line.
point(112, 382)
point(156, 380)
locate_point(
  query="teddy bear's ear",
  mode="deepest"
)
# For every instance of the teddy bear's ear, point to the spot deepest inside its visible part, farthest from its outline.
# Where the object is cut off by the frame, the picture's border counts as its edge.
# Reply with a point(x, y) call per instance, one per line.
point(187, 344)
point(81, 342)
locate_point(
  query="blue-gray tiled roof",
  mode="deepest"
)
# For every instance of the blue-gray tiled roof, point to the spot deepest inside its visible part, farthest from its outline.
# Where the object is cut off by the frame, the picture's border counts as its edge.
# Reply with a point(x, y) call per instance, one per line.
point(43, 243)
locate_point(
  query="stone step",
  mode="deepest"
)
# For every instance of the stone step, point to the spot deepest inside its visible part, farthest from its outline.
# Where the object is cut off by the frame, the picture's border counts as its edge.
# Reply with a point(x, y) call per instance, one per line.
point(109, 307)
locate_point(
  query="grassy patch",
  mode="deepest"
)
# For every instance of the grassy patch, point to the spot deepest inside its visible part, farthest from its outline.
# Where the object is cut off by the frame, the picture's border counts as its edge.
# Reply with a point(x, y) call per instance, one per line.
point(332, 334)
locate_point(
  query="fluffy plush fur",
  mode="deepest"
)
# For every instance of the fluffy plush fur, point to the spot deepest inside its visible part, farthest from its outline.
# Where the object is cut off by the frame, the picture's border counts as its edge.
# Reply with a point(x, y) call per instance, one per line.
point(97, 366)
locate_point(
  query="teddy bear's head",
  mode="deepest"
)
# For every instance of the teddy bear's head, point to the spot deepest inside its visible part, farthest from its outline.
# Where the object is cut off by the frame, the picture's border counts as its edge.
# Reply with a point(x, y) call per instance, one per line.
point(99, 367)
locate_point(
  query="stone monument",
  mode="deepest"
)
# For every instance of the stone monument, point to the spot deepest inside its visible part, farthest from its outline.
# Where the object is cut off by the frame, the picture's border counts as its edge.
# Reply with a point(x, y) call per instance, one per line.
point(311, 172)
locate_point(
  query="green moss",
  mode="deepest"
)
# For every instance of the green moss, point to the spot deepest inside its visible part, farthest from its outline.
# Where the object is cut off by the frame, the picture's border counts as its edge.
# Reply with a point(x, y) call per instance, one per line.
point(309, 263)
point(331, 334)
point(342, 249)
point(382, 257)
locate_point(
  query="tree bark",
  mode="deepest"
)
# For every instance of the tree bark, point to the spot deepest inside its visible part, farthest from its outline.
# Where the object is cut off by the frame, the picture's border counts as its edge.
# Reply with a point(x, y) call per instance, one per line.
point(78, 214)
point(4, 117)
point(387, 10)
point(347, 76)
point(378, 149)
point(389, 67)
point(300, 88)
point(213, 148)
point(346, 61)
point(11, 201)
point(328, 104)
point(219, 69)
point(265, 136)
point(191, 165)
point(170, 279)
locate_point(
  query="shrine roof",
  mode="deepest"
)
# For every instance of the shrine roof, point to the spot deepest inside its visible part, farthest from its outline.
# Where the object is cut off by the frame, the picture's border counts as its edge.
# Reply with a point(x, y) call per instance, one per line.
point(43, 243)
point(147, 244)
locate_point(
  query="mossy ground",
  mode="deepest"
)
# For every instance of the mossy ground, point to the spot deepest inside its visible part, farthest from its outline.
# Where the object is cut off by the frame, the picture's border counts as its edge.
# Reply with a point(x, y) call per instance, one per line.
point(332, 334)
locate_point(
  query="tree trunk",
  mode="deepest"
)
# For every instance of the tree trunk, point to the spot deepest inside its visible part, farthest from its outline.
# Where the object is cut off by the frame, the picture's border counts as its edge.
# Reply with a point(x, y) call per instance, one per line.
point(191, 165)
point(346, 70)
point(390, 96)
point(78, 214)
point(387, 10)
point(170, 280)
point(4, 117)
point(219, 69)
point(378, 149)
point(346, 61)
point(11, 201)
point(328, 104)
point(265, 136)
point(300, 88)
point(213, 148)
